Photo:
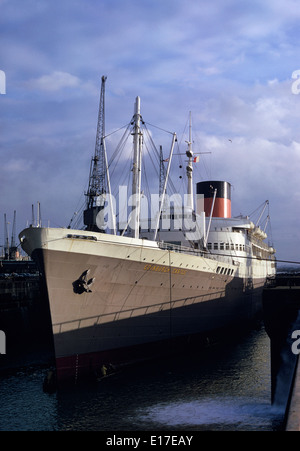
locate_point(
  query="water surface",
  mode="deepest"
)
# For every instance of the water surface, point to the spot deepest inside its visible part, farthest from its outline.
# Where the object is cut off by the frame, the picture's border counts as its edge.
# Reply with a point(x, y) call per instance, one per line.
point(225, 387)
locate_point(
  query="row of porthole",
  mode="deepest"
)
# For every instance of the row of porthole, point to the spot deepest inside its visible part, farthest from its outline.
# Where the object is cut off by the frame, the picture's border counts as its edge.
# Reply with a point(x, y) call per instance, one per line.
point(183, 286)
point(191, 286)
point(128, 256)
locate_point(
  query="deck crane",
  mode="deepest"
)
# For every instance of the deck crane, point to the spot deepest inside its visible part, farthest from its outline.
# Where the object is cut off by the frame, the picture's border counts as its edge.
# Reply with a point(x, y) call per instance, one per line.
point(6, 239)
point(97, 178)
point(10, 248)
point(14, 232)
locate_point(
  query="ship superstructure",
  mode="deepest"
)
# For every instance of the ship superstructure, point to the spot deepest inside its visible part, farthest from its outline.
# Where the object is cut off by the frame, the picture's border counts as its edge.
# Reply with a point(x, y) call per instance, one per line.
point(124, 292)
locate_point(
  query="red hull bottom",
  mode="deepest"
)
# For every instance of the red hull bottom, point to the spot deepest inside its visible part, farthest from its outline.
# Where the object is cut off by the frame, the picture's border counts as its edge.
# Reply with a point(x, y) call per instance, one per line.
point(72, 369)
point(83, 366)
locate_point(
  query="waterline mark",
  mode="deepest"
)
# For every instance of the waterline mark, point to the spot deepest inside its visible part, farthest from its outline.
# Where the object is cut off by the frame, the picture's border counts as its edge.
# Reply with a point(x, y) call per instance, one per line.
point(2, 342)
point(2, 82)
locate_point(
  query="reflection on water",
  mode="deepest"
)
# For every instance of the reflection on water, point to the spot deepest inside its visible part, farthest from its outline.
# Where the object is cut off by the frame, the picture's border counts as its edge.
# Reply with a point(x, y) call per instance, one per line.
point(226, 387)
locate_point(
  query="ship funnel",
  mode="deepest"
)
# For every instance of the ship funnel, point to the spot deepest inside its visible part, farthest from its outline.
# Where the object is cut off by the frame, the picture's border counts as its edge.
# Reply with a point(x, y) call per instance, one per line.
point(205, 198)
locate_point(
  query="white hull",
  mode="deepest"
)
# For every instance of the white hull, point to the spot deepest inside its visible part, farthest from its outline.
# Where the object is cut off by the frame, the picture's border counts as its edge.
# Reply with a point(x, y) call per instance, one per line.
point(140, 294)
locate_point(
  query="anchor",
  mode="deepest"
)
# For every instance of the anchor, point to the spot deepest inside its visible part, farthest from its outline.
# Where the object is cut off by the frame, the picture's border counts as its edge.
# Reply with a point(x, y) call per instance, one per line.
point(82, 284)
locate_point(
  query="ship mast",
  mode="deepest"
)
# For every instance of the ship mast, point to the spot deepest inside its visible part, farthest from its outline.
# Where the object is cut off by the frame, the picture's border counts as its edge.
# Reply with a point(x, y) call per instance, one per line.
point(161, 171)
point(136, 169)
point(189, 168)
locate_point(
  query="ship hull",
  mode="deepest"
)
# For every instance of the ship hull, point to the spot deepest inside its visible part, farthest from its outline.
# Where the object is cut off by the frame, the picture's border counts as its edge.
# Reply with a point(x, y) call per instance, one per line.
point(170, 331)
point(136, 300)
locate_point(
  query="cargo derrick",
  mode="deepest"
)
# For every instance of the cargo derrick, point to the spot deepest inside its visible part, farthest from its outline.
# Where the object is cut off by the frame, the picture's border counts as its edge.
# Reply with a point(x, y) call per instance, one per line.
point(97, 179)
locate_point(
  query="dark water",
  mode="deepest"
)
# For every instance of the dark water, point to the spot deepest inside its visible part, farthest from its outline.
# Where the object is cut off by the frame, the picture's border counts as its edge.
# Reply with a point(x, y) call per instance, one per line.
point(224, 388)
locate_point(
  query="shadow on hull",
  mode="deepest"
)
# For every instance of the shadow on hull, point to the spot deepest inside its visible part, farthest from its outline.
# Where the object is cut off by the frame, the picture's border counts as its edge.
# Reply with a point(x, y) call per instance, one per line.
point(127, 341)
point(82, 351)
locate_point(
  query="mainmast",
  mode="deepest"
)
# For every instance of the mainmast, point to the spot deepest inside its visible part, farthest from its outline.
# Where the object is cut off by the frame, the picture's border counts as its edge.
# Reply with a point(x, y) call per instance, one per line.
point(161, 171)
point(136, 169)
point(189, 168)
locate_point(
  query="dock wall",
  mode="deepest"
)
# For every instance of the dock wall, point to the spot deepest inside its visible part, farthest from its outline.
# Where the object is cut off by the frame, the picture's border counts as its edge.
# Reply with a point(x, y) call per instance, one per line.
point(24, 311)
point(281, 306)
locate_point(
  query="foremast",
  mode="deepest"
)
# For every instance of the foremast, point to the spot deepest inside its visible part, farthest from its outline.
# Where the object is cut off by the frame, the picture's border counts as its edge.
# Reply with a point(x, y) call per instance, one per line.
point(136, 169)
point(137, 173)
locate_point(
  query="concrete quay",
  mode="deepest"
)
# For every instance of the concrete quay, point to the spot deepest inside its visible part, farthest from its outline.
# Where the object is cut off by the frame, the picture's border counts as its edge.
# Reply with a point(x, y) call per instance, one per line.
point(281, 305)
point(293, 410)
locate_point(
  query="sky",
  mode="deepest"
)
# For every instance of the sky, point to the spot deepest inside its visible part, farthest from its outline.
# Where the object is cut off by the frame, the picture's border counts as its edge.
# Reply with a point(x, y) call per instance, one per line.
point(233, 63)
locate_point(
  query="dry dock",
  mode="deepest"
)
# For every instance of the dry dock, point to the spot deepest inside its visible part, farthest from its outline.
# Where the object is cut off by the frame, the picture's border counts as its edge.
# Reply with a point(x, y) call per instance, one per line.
point(281, 302)
point(24, 312)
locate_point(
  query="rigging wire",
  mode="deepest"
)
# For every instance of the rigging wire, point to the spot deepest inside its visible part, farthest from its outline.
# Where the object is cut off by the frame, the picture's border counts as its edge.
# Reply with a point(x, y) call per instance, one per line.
point(159, 128)
point(255, 258)
point(147, 189)
point(257, 209)
point(120, 147)
point(154, 157)
point(115, 131)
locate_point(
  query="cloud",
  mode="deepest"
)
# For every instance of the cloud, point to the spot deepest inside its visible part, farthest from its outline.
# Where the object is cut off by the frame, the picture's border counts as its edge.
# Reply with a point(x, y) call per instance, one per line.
point(14, 167)
point(230, 63)
point(55, 81)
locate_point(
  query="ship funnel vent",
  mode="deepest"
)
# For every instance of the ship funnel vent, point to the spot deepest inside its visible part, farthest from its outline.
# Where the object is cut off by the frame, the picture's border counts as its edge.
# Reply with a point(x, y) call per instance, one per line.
point(205, 194)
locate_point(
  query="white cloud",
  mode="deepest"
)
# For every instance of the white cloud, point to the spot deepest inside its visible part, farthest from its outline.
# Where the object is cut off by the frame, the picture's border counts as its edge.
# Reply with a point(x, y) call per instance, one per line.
point(16, 166)
point(55, 81)
point(230, 63)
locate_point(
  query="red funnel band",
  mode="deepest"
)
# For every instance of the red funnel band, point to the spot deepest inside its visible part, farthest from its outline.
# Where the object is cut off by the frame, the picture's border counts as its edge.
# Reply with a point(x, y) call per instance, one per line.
point(222, 207)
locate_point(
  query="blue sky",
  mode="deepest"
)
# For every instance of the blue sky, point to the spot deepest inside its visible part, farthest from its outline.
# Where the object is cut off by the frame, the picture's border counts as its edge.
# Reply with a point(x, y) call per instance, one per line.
point(229, 62)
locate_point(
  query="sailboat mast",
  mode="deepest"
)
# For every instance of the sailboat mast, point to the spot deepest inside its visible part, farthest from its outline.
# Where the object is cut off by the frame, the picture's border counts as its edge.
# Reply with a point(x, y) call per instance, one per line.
point(136, 170)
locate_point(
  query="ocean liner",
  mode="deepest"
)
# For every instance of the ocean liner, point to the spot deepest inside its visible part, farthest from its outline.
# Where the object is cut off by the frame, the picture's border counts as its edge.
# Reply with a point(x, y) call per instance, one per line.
point(121, 291)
